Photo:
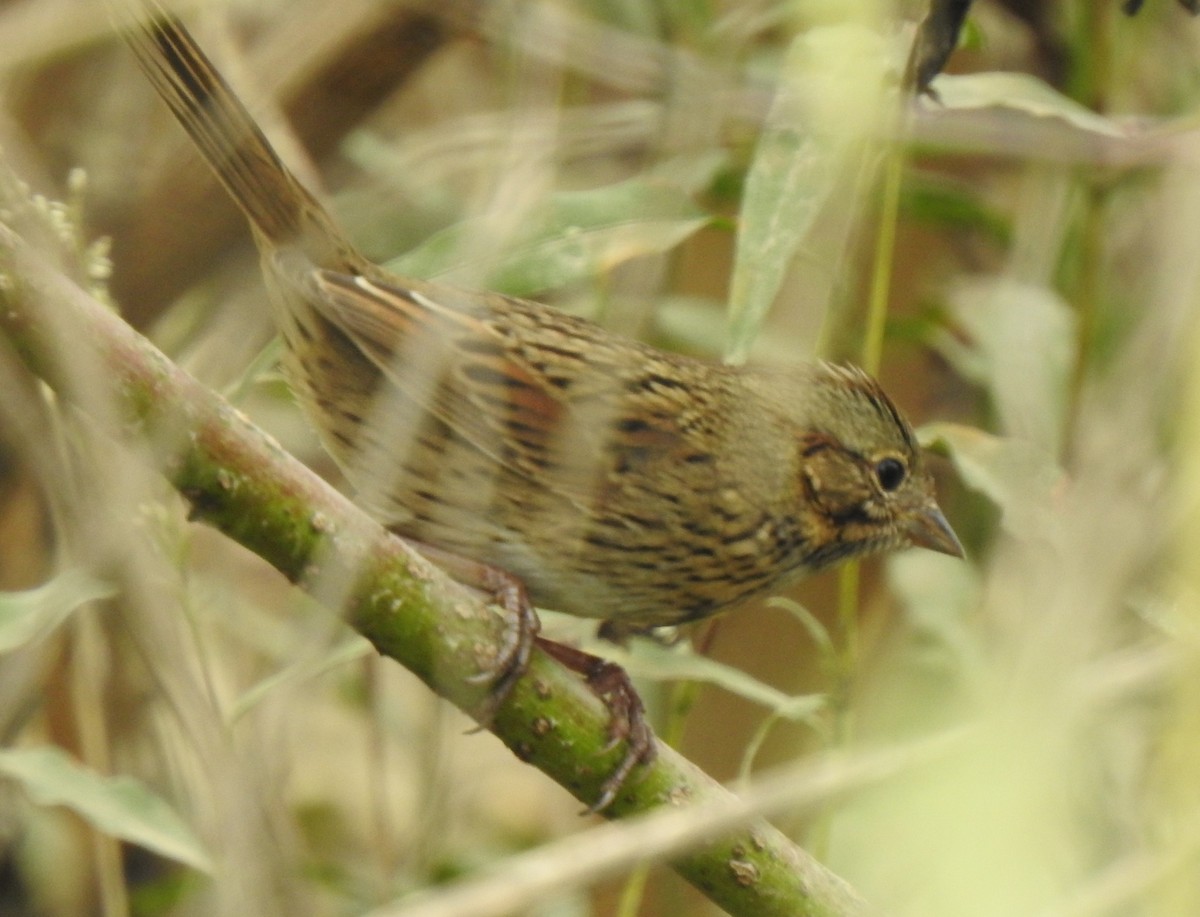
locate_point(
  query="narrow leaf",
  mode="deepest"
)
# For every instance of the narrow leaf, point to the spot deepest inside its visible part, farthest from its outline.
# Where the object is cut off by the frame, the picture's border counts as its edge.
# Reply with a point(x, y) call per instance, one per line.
point(573, 236)
point(1023, 93)
point(828, 98)
point(352, 647)
point(651, 661)
point(1023, 345)
point(1018, 477)
point(119, 806)
point(29, 616)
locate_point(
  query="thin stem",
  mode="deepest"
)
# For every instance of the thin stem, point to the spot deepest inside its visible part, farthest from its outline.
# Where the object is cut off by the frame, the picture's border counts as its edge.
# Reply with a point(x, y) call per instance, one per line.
point(881, 274)
point(849, 581)
point(1089, 85)
point(682, 699)
point(633, 892)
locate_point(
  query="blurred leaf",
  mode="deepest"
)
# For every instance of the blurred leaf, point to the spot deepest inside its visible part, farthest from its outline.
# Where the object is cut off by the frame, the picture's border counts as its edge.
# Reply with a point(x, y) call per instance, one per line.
point(811, 623)
point(161, 895)
point(1022, 350)
point(655, 662)
point(573, 236)
point(939, 593)
point(691, 323)
point(728, 186)
point(351, 648)
point(828, 97)
point(29, 616)
point(627, 15)
point(954, 206)
point(263, 369)
point(118, 806)
point(1019, 92)
point(972, 37)
point(1015, 475)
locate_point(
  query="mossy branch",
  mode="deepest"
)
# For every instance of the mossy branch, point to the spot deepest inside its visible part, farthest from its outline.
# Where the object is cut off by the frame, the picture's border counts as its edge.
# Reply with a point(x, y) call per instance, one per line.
point(240, 481)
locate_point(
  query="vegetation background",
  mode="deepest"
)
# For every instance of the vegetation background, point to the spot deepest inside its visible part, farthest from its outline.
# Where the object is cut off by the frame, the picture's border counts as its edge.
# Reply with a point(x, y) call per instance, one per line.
point(734, 179)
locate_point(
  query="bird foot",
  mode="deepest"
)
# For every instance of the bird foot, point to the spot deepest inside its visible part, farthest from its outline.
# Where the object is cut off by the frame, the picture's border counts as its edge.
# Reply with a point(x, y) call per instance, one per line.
point(627, 722)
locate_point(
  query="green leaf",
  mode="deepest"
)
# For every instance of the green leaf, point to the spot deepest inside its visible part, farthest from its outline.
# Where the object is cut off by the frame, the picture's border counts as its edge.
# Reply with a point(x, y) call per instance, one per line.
point(652, 661)
point(691, 324)
point(1023, 345)
point(939, 593)
point(698, 325)
point(828, 98)
point(1017, 476)
point(574, 236)
point(955, 207)
point(1022, 93)
point(26, 617)
point(118, 806)
point(263, 368)
point(347, 650)
point(811, 623)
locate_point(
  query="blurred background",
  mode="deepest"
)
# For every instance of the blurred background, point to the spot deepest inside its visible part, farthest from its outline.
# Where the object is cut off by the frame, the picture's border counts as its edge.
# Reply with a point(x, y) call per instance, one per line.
point(728, 179)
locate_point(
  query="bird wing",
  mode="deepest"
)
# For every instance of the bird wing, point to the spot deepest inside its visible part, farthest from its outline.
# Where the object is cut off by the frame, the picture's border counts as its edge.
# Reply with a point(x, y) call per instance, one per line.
point(539, 392)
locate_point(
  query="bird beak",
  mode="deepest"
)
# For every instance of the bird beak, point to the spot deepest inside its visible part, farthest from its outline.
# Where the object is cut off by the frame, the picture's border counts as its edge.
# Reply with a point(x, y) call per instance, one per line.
point(928, 528)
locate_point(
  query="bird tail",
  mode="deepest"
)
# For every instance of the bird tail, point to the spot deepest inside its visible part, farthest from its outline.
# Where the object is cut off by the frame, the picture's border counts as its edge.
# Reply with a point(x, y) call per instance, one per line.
point(279, 208)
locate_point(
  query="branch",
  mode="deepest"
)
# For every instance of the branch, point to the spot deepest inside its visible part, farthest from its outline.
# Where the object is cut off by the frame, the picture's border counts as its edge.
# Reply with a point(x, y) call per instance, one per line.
point(241, 482)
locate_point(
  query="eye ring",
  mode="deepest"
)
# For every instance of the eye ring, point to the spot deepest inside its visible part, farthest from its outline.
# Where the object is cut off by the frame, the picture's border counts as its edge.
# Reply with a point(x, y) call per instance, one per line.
point(890, 472)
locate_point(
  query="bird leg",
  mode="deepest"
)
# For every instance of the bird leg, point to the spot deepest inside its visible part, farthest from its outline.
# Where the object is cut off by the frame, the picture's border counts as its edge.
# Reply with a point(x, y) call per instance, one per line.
point(627, 713)
point(607, 680)
point(509, 593)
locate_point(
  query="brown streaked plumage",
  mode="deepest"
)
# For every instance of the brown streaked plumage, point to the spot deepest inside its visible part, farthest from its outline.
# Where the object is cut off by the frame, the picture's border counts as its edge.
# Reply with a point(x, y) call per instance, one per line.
point(615, 480)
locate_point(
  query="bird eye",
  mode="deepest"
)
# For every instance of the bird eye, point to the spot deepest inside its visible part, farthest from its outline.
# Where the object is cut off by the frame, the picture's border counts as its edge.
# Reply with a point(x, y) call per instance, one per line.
point(891, 473)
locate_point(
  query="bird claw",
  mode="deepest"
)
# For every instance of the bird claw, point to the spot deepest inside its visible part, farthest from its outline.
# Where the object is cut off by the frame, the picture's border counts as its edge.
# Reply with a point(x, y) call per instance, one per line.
point(513, 660)
point(605, 679)
point(627, 722)
point(509, 593)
